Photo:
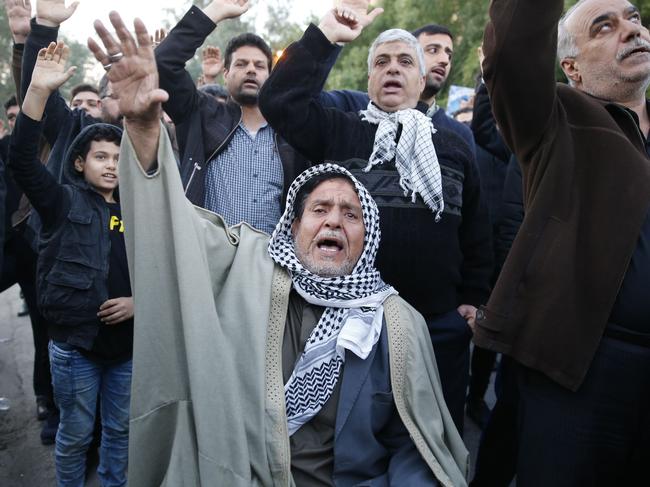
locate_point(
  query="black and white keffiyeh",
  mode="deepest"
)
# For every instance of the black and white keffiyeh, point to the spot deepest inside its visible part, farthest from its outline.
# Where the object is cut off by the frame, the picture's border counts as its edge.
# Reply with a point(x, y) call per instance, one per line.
point(353, 316)
point(415, 156)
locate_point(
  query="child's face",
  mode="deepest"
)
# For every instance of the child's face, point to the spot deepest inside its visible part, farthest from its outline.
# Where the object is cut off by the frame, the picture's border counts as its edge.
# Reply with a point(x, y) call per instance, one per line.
point(100, 167)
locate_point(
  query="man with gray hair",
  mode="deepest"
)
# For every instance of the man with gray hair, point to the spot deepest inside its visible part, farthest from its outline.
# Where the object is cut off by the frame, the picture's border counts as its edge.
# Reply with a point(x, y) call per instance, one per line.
point(436, 234)
point(571, 303)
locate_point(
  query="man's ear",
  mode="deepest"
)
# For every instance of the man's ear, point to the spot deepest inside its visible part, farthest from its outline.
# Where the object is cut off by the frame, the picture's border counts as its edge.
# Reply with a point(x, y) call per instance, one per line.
point(571, 70)
point(79, 164)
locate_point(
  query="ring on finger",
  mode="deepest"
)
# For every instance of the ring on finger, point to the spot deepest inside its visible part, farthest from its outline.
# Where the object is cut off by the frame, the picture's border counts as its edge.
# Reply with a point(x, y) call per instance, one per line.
point(113, 58)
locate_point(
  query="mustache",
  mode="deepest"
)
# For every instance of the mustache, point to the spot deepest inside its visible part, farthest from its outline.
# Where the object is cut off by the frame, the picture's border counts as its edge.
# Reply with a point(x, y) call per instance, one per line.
point(250, 80)
point(636, 45)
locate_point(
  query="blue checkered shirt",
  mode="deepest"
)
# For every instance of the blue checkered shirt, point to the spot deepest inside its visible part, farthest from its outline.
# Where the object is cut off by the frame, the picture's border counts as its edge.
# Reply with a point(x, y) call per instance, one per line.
point(244, 182)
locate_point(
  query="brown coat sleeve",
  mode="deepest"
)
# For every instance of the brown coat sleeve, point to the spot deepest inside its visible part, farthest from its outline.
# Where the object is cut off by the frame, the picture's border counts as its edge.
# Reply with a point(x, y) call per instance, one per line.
point(520, 44)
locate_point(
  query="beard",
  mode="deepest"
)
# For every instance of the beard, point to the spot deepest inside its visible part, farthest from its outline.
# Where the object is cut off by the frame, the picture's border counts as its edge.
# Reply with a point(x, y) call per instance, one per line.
point(324, 268)
point(431, 88)
point(246, 98)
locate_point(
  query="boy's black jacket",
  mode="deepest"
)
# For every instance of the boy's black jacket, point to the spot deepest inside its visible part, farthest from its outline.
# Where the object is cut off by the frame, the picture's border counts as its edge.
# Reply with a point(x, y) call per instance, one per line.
point(74, 243)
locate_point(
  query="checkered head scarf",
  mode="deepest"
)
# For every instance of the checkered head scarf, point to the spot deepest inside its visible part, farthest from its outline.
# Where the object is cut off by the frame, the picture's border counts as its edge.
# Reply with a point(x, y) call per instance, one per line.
point(415, 156)
point(353, 313)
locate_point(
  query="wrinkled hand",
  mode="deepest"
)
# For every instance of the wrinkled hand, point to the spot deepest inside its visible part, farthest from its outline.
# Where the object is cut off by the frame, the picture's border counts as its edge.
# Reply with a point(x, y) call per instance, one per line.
point(468, 312)
point(50, 71)
point(53, 13)
point(360, 10)
point(134, 76)
point(342, 25)
point(116, 310)
point(219, 10)
point(19, 12)
point(212, 64)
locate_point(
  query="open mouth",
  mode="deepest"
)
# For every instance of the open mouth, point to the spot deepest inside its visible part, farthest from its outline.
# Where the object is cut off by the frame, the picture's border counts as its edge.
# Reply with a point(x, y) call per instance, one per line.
point(251, 83)
point(109, 176)
point(392, 85)
point(439, 71)
point(330, 245)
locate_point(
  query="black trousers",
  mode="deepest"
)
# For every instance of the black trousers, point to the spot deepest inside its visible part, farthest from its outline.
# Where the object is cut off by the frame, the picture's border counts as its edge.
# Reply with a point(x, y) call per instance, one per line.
point(450, 336)
point(597, 436)
point(19, 266)
point(496, 462)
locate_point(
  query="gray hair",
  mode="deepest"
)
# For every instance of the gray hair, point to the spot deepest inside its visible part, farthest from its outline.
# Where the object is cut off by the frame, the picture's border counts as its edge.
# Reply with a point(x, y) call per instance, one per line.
point(397, 35)
point(566, 40)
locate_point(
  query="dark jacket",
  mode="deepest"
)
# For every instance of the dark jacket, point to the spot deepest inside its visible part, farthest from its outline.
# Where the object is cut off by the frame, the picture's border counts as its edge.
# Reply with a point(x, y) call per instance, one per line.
point(353, 101)
point(586, 193)
point(435, 266)
point(371, 444)
point(204, 126)
point(61, 124)
point(511, 214)
point(492, 154)
point(3, 194)
point(74, 244)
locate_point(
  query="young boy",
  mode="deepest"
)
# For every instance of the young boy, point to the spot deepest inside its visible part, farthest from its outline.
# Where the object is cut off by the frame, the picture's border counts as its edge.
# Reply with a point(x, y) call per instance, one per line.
point(82, 279)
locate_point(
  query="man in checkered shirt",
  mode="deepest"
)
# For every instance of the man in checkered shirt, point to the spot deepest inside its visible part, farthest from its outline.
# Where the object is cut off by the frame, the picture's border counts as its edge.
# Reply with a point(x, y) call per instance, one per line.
point(232, 162)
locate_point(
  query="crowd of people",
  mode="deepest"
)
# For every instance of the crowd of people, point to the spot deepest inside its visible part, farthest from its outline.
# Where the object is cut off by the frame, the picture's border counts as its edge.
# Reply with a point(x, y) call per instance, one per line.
point(266, 283)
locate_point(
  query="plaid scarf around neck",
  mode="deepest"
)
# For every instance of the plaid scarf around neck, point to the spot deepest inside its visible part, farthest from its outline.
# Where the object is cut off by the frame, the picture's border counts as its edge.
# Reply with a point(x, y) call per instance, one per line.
point(353, 313)
point(415, 156)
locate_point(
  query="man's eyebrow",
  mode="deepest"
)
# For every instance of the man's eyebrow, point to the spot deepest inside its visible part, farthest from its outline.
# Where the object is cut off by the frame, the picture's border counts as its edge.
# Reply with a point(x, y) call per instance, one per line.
point(602, 18)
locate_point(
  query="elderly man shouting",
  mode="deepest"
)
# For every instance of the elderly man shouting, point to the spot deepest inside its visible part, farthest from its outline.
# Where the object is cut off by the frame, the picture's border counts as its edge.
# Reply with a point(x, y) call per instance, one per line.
point(257, 362)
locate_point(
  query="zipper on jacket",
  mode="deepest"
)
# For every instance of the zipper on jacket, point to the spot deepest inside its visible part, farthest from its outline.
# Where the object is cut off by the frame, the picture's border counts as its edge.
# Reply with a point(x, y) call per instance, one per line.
point(197, 167)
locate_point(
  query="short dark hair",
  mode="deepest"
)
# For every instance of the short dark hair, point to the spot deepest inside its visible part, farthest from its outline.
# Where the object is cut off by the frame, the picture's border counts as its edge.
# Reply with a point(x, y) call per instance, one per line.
point(433, 29)
point(81, 88)
point(11, 102)
point(309, 187)
point(247, 39)
point(100, 133)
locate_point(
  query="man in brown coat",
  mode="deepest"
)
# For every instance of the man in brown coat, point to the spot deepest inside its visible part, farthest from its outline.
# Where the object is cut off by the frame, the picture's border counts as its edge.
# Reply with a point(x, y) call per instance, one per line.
point(571, 305)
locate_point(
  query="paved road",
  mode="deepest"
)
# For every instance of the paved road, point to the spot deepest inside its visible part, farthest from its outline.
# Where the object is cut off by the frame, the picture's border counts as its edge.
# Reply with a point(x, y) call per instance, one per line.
point(24, 462)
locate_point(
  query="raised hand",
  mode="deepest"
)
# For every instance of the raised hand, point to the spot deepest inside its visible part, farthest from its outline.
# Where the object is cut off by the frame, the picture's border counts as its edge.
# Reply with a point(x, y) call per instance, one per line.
point(53, 13)
point(131, 69)
point(219, 10)
point(158, 37)
point(19, 13)
point(211, 64)
point(50, 71)
point(341, 25)
point(360, 10)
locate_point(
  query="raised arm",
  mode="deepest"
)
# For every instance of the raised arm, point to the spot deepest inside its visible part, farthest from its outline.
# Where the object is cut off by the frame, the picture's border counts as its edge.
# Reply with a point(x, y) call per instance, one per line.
point(42, 189)
point(291, 98)
point(18, 13)
point(50, 14)
point(519, 69)
point(180, 45)
point(135, 77)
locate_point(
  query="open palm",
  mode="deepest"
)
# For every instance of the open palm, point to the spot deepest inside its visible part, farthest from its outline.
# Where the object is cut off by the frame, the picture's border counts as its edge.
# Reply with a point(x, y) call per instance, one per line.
point(50, 71)
point(135, 76)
